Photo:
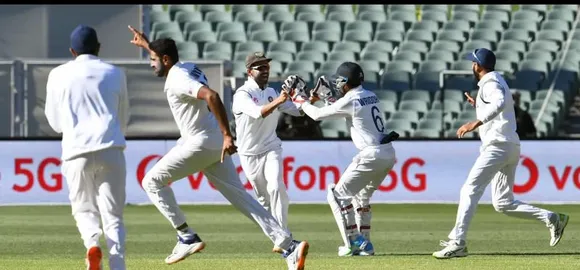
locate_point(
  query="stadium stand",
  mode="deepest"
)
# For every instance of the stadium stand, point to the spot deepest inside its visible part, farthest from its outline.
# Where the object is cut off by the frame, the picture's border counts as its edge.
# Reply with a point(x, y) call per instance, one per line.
point(402, 49)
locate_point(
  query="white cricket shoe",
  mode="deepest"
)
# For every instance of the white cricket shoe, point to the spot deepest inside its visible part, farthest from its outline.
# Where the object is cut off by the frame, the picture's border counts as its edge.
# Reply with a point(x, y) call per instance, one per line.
point(185, 248)
point(296, 256)
point(452, 249)
point(557, 229)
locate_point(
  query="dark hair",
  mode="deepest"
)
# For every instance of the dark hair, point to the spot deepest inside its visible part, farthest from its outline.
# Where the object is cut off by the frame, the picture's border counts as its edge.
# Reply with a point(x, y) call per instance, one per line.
point(165, 46)
point(94, 51)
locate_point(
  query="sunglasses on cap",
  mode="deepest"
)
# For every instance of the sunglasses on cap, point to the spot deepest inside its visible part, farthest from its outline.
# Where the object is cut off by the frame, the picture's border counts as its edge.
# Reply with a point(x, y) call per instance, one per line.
point(260, 67)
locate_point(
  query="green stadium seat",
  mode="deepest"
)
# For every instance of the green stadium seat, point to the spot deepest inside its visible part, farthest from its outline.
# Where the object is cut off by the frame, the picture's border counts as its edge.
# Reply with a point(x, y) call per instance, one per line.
point(409, 56)
point(432, 65)
point(216, 17)
point(295, 26)
point(447, 56)
point(445, 45)
point(283, 46)
point(232, 37)
point(440, 8)
point(450, 94)
point(459, 25)
point(247, 17)
point(202, 36)
point(264, 36)
point(467, 16)
point(391, 25)
point(426, 133)
point(400, 65)
point(416, 46)
point(217, 55)
point(540, 9)
point(388, 107)
point(188, 50)
point(434, 15)
point(279, 17)
point(266, 9)
point(177, 36)
point(360, 26)
point(392, 36)
point(505, 66)
point(165, 26)
point(341, 16)
point(556, 24)
point(219, 46)
point(349, 46)
point(329, 67)
point(183, 17)
point(525, 25)
point(427, 80)
point(451, 35)
point(330, 133)
point(382, 57)
point(562, 14)
point(310, 18)
point(363, 8)
point(296, 36)
point(429, 26)
point(341, 56)
point(174, 9)
point(316, 45)
point(314, 56)
point(244, 8)
point(328, 36)
point(496, 26)
point(462, 64)
point(306, 9)
point(414, 105)
point(426, 37)
point(261, 26)
point(448, 106)
point(486, 35)
point(375, 17)
point(508, 55)
point(357, 36)
point(249, 47)
point(338, 8)
point(512, 45)
point(527, 15)
point(552, 35)
point(416, 95)
point(406, 17)
point(403, 127)
point(545, 45)
point(196, 26)
point(381, 46)
point(332, 26)
point(469, 8)
point(501, 8)
point(397, 80)
point(410, 116)
point(370, 66)
point(159, 16)
point(434, 124)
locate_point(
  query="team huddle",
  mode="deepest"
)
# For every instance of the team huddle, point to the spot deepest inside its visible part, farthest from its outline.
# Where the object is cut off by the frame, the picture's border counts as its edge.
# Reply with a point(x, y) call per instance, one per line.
point(95, 171)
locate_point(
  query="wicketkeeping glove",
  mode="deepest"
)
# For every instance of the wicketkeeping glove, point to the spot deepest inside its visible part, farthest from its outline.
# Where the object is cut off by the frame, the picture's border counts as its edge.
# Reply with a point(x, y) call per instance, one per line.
point(325, 91)
point(295, 87)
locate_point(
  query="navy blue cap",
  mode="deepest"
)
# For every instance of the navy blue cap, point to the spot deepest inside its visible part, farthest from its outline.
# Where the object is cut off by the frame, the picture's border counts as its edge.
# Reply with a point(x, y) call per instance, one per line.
point(83, 39)
point(483, 57)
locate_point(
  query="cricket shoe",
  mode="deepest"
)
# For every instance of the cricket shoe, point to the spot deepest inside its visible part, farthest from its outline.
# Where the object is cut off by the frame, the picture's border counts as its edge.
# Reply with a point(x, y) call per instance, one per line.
point(359, 247)
point(452, 249)
point(296, 255)
point(557, 229)
point(184, 248)
point(94, 258)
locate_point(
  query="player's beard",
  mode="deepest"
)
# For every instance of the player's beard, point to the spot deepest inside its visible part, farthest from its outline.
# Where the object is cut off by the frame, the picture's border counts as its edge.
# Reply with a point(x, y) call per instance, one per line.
point(262, 78)
point(159, 69)
point(475, 74)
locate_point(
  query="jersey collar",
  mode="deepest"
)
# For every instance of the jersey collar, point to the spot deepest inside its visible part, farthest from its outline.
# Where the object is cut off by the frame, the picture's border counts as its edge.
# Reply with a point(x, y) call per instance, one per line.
point(85, 57)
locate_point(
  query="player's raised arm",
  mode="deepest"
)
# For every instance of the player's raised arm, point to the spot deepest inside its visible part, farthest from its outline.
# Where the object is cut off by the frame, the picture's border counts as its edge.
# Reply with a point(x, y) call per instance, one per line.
point(139, 39)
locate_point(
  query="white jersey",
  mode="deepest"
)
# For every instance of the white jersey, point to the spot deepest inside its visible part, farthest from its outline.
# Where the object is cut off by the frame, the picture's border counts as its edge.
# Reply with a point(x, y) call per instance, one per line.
point(362, 112)
point(495, 108)
point(87, 101)
point(196, 123)
point(256, 134)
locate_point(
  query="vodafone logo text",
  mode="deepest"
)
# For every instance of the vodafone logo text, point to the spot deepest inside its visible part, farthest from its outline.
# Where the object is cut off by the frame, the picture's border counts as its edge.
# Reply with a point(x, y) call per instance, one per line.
point(560, 175)
point(306, 177)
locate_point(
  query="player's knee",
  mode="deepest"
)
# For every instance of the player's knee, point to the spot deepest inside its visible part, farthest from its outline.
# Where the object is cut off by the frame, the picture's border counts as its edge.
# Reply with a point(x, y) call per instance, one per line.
point(152, 182)
point(502, 207)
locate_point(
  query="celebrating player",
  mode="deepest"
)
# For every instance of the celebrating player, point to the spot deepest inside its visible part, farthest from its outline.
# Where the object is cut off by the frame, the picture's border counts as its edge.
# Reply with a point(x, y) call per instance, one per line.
point(497, 161)
point(195, 108)
point(369, 167)
point(256, 110)
point(86, 101)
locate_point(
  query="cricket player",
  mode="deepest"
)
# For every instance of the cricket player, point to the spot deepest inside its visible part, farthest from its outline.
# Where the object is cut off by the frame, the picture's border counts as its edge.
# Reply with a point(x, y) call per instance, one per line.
point(205, 142)
point(256, 109)
point(369, 167)
point(497, 161)
point(86, 101)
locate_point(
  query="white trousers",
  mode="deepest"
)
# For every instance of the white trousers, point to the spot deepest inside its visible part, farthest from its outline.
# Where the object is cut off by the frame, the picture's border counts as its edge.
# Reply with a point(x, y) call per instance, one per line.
point(496, 164)
point(96, 183)
point(357, 184)
point(264, 172)
point(183, 160)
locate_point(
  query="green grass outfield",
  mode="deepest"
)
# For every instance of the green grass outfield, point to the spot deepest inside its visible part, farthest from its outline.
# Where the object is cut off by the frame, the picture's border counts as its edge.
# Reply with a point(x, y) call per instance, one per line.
point(45, 237)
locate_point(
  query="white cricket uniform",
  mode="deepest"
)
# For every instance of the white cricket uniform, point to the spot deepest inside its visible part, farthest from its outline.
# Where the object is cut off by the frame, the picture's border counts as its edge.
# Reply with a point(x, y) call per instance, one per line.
point(371, 165)
point(259, 147)
point(87, 101)
point(497, 161)
point(199, 149)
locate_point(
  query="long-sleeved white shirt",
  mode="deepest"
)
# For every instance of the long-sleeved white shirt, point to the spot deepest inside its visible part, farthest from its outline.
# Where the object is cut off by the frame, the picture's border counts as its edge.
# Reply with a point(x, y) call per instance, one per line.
point(257, 134)
point(87, 101)
point(197, 124)
point(362, 112)
point(494, 107)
